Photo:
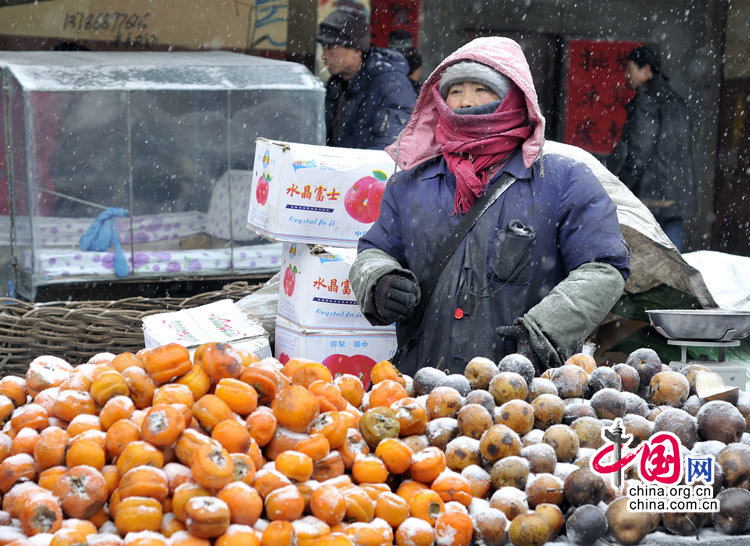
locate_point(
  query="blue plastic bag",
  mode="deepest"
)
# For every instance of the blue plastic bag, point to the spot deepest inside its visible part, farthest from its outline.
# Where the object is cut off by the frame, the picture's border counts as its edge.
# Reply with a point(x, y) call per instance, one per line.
point(102, 234)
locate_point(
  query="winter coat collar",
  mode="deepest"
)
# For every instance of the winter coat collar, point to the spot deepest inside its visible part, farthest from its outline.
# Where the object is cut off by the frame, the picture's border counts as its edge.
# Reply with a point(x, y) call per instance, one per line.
point(417, 142)
point(515, 166)
point(654, 84)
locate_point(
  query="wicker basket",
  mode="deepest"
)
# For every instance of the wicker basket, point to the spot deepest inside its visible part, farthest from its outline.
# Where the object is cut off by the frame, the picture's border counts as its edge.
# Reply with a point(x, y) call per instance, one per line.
point(77, 330)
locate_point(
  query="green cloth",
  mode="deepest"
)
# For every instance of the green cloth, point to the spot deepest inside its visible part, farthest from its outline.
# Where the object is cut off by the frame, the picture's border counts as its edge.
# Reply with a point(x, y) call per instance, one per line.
point(662, 296)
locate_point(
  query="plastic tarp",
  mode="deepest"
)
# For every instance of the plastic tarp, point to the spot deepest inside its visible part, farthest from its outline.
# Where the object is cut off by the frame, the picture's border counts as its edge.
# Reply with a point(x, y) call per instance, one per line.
point(654, 259)
point(154, 70)
point(727, 277)
point(261, 305)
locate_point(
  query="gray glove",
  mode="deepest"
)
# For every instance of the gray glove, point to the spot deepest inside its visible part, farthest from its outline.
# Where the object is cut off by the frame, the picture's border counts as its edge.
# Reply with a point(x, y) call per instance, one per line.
point(395, 297)
point(523, 344)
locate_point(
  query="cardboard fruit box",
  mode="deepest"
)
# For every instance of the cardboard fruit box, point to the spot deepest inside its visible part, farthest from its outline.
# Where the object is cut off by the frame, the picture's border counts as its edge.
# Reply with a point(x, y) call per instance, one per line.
point(315, 290)
point(341, 351)
point(316, 194)
point(221, 321)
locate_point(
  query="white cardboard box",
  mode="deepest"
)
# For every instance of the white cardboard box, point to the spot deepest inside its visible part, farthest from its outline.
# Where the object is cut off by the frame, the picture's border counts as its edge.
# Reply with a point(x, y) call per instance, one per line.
point(231, 191)
point(315, 290)
point(341, 351)
point(316, 194)
point(221, 321)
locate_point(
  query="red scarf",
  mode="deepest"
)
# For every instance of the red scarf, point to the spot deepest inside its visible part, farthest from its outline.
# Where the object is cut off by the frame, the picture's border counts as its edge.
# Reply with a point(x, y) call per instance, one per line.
point(473, 143)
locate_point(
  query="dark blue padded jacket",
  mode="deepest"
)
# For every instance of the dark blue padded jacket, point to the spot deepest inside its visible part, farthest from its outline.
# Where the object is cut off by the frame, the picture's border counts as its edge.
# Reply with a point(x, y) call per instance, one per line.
point(370, 110)
point(498, 272)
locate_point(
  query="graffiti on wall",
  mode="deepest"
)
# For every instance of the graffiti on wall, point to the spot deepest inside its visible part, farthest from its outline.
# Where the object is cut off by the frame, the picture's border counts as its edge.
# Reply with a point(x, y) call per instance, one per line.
point(118, 27)
point(267, 26)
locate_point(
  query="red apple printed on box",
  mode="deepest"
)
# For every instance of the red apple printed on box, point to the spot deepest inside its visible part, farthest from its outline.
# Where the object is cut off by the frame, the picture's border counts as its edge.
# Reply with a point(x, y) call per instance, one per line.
point(261, 192)
point(362, 201)
point(289, 277)
point(357, 365)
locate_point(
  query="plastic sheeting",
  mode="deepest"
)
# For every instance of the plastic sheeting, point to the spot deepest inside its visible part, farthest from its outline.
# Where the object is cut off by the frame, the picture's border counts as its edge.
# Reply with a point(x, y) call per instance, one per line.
point(261, 305)
point(217, 70)
point(654, 259)
point(156, 133)
point(727, 277)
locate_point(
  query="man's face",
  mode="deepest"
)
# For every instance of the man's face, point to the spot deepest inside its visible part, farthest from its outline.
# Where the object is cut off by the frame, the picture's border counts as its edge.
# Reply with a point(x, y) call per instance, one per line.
point(637, 76)
point(341, 60)
point(468, 94)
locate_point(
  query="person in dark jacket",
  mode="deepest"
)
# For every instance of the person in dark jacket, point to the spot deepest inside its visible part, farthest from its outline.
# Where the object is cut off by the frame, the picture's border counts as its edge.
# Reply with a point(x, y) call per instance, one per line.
point(541, 267)
point(656, 145)
point(369, 97)
point(403, 42)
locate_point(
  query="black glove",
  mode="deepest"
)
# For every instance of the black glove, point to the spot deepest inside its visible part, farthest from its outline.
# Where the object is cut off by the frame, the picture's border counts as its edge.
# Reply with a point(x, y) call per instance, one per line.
point(395, 297)
point(523, 343)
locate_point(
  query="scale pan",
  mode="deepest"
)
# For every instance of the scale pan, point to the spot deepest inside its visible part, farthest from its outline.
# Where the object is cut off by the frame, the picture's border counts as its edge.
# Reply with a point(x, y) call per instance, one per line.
point(701, 324)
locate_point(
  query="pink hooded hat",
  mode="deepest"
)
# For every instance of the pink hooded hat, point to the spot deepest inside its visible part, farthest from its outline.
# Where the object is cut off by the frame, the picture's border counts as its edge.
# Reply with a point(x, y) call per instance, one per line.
point(417, 142)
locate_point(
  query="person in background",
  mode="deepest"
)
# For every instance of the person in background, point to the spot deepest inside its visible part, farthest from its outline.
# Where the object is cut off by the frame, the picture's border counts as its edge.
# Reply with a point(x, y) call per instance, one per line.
point(403, 42)
point(540, 268)
point(654, 157)
point(369, 97)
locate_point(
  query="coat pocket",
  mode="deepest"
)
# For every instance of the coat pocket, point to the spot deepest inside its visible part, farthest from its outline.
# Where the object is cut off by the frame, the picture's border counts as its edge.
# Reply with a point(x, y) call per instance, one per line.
point(511, 253)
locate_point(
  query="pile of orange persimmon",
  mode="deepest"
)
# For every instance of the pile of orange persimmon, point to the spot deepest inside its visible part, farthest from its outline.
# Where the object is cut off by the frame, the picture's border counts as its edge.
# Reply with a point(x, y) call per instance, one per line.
point(153, 448)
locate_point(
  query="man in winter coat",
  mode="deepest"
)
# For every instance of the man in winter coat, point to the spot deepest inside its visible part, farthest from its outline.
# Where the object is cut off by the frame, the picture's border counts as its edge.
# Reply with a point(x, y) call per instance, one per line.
point(403, 42)
point(541, 267)
point(656, 145)
point(369, 97)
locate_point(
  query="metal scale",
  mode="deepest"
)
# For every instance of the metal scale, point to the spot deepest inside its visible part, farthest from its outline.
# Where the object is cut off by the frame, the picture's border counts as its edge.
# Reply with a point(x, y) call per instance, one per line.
point(732, 374)
point(717, 328)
